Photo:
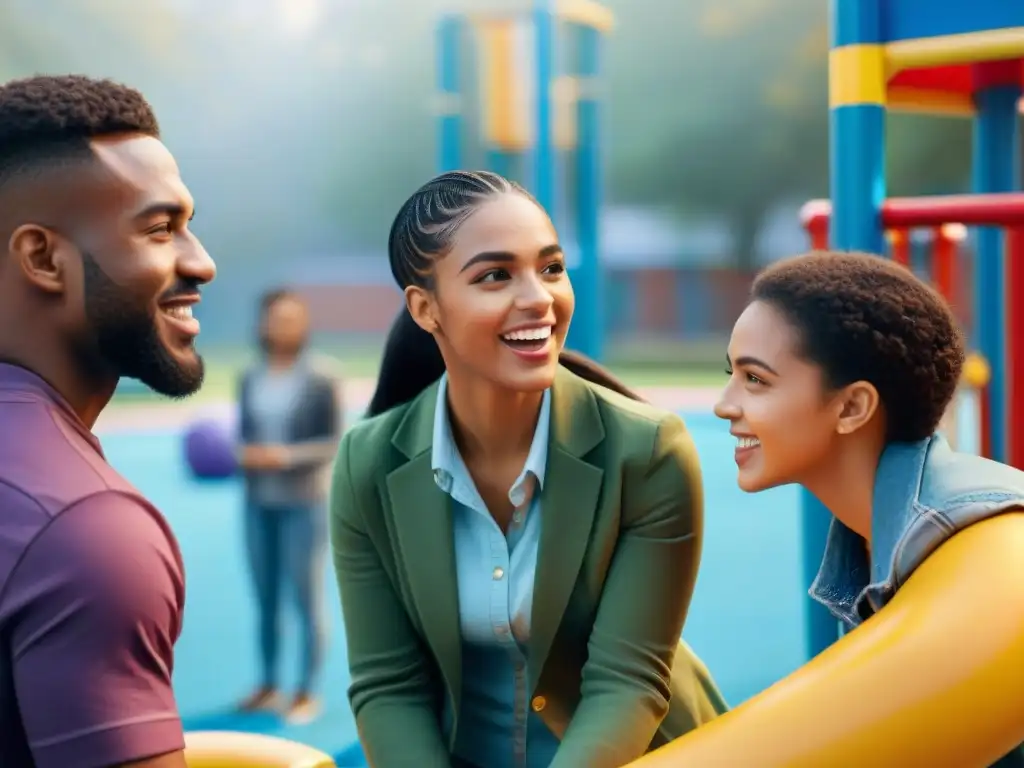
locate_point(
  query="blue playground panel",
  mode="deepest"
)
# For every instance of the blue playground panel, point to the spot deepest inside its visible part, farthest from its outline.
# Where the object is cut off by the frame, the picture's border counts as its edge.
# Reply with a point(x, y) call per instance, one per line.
point(915, 19)
point(746, 621)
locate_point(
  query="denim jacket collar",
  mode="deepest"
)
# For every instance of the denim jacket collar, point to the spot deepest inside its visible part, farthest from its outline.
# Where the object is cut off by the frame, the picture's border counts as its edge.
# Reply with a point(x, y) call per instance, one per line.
point(850, 586)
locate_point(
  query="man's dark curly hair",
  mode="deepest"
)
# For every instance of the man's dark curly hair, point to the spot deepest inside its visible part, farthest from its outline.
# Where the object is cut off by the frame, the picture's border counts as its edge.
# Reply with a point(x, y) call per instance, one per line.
point(50, 118)
point(865, 318)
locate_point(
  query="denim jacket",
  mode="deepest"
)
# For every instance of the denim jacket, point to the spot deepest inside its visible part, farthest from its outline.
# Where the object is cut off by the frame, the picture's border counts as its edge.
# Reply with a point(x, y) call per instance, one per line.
point(317, 418)
point(924, 493)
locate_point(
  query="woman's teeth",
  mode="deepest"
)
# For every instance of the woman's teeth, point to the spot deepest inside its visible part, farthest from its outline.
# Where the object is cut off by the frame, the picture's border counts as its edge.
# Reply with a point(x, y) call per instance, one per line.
point(747, 442)
point(529, 334)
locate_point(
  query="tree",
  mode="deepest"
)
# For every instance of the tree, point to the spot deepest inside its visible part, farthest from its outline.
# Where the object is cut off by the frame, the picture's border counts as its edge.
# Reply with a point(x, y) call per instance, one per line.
point(767, 142)
point(749, 127)
point(927, 154)
point(715, 107)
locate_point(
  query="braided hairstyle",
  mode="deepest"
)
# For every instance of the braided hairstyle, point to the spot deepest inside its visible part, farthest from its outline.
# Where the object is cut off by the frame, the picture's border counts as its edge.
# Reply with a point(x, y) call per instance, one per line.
point(422, 232)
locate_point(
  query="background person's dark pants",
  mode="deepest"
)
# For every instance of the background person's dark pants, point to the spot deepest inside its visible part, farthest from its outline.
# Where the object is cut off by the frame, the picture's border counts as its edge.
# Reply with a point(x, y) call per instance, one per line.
point(289, 545)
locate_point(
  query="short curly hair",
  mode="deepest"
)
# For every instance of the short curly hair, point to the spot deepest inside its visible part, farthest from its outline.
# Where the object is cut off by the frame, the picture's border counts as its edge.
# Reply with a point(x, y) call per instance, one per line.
point(865, 318)
point(53, 117)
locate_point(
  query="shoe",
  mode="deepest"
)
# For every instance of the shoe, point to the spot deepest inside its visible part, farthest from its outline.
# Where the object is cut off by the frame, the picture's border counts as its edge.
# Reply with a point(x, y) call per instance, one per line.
point(263, 699)
point(304, 709)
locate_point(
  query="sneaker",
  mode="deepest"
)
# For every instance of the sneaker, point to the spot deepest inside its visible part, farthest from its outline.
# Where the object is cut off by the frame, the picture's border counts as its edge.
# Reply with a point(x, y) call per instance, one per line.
point(304, 709)
point(263, 699)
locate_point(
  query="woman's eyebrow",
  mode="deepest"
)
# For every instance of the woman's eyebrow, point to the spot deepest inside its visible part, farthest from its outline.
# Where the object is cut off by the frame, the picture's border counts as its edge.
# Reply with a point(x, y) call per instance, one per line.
point(501, 257)
point(750, 360)
point(506, 257)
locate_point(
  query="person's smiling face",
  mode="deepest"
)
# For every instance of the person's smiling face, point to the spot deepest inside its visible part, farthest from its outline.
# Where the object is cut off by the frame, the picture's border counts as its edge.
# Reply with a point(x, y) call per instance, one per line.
point(782, 414)
point(502, 301)
point(141, 267)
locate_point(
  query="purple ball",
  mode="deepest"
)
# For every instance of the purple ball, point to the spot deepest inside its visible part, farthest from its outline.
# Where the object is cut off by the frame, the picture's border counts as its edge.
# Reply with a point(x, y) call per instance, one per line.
point(210, 449)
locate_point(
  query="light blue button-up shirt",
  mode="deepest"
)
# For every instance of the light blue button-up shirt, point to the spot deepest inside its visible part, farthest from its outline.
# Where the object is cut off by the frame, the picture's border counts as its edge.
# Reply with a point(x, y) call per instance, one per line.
point(495, 574)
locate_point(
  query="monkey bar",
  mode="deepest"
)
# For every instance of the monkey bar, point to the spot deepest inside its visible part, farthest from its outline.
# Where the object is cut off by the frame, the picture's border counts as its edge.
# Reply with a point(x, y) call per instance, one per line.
point(946, 217)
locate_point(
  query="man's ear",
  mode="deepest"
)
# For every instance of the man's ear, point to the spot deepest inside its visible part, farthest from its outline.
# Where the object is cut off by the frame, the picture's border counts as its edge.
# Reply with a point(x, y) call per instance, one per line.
point(41, 257)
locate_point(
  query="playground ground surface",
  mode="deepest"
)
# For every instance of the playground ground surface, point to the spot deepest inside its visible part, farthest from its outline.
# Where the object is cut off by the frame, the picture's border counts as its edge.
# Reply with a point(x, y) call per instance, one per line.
point(745, 620)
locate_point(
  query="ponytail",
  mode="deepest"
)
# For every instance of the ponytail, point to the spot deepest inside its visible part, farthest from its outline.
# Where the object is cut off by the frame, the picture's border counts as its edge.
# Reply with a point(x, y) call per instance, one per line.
point(595, 373)
point(412, 362)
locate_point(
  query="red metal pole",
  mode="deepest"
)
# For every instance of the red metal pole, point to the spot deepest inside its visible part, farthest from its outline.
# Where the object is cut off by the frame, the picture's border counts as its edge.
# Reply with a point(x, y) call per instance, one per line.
point(998, 210)
point(944, 260)
point(899, 245)
point(819, 237)
point(993, 210)
point(815, 216)
point(817, 229)
point(1014, 287)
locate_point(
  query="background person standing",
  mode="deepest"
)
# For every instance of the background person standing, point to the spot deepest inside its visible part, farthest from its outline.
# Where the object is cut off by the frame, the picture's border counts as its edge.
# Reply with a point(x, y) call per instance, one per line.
point(289, 429)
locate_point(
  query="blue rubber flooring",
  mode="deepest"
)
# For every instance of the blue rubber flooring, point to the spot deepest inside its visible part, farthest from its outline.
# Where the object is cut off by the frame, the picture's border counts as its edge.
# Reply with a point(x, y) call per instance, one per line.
point(746, 620)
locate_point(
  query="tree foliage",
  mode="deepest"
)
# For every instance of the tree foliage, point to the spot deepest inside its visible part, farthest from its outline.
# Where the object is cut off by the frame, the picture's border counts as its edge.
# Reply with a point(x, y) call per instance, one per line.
point(715, 108)
point(748, 127)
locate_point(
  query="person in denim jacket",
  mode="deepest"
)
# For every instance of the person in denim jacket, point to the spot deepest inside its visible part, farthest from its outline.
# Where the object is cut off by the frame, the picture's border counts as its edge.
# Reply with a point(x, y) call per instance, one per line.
point(290, 421)
point(839, 371)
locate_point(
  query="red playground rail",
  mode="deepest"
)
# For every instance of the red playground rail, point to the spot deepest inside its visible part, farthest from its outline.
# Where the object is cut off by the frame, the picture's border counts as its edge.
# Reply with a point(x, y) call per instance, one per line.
point(946, 216)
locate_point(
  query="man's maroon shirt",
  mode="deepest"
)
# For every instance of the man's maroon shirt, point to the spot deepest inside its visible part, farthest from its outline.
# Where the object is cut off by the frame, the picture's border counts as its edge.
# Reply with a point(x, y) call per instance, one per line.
point(91, 595)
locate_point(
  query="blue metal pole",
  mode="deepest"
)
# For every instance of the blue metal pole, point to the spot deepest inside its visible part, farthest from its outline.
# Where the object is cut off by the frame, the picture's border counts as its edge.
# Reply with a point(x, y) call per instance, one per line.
point(857, 170)
point(857, 179)
point(449, 94)
point(544, 169)
point(587, 331)
point(996, 168)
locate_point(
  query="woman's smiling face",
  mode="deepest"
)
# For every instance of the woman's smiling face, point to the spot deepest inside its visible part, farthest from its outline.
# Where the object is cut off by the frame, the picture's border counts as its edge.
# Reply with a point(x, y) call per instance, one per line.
point(502, 300)
point(776, 402)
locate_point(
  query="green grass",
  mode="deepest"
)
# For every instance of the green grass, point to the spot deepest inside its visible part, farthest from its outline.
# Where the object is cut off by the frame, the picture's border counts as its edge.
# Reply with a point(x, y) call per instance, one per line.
point(223, 367)
point(685, 376)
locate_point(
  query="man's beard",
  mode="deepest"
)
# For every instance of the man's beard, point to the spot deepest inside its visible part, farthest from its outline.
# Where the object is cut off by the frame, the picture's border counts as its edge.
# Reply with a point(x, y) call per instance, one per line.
point(126, 338)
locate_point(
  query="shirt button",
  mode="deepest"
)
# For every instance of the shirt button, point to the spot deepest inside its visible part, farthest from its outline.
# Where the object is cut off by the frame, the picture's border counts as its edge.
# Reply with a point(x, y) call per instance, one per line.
point(538, 703)
point(517, 517)
point(498, 573)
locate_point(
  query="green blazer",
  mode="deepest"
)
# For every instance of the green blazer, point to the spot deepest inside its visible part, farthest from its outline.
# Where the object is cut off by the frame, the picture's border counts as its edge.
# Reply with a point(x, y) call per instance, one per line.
point(622, 512)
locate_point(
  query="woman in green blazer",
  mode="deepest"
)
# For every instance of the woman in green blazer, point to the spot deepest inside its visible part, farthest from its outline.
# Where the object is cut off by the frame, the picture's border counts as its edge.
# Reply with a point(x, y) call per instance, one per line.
point(516, 546)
